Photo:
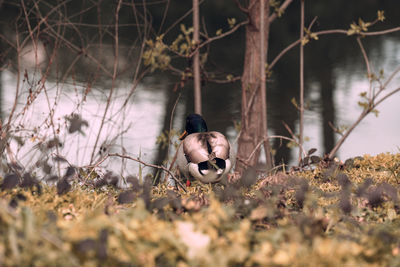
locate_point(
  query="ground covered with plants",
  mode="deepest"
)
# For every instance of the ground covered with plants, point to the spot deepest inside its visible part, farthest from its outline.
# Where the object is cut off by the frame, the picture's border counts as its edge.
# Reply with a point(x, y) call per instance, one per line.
point(328, 213)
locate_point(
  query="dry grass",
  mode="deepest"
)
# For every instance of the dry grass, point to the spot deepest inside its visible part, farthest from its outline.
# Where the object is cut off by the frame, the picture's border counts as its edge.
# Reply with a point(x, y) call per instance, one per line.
point(298, 219)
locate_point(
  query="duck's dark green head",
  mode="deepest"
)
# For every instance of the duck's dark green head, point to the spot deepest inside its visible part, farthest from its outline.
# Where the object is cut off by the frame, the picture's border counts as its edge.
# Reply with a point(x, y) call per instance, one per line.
point(194, 124)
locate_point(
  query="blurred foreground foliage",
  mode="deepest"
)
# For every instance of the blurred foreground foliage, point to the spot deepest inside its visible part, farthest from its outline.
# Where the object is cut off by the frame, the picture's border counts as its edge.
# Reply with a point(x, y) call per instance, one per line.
point(331, 214)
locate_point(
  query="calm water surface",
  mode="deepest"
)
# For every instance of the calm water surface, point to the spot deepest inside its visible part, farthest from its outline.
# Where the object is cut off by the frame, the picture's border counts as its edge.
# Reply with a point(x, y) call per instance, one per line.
point(134, 130)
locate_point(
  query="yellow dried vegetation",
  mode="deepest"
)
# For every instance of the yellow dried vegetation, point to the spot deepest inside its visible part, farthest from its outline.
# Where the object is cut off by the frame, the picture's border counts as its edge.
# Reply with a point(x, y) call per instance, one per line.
point(330, 215)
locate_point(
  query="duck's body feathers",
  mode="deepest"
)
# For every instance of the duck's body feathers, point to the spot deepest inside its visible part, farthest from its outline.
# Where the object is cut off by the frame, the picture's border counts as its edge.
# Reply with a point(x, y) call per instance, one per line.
point(199, 147)
point(205, 156)
point(208, 175)
point(200, 151)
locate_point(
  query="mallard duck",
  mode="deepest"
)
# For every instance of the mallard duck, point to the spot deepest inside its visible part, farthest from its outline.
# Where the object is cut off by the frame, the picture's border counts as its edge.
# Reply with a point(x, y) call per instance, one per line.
point(205, 156)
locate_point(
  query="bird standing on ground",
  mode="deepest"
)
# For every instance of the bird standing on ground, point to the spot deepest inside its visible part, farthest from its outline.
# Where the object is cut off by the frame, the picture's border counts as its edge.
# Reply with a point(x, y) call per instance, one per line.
point(205, 156)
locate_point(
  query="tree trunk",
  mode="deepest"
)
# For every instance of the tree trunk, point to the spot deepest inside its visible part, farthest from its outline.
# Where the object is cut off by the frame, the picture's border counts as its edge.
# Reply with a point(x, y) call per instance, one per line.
point(196, 59)
point(253, 98)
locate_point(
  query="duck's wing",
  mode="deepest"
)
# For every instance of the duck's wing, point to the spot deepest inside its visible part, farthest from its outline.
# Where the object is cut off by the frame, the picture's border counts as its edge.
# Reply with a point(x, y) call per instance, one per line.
point(219, 145)
point(199, 147)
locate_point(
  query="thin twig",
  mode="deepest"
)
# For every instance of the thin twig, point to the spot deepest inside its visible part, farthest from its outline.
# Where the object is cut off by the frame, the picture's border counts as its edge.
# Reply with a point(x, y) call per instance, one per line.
point(180, 19)
point(392, 75)
point(326, 32)
point(282, 53)
point(222, 35)
point(169, 133)
point(269, 137)
point(43, 82)
point(34, 41)
point(77, 49)
point(230, 80)
point(294, 137)
point(8, 125)
point(334, 128)
point(381, 32)
point(289, 47)
point(347, 133)
point(150, 165)
point(164, 16)
point(92, 167)
point(281, 9)
point(242, 8)
point(138, 76)
point(365, 57)
point(44, 19)
point(369, 71)
point(385, 97)
point(114, 77)
point(174, 158)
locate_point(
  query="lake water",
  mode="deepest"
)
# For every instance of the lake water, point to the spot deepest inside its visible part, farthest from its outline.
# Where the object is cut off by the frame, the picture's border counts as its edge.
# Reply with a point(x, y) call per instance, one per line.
point(141, 122)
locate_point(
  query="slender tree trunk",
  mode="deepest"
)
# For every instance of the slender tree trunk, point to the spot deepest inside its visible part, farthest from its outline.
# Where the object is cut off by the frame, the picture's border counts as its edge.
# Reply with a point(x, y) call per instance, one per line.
point(196, 60)
point(253, 97)
point(162, 151)
point(328, 109)
point(264, 34)
point(301, 119)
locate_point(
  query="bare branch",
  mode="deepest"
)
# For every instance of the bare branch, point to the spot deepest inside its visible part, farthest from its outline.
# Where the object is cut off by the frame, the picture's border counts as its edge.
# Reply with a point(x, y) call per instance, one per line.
point(365, 57)
point(282, 53)
point(242, 8)
point(281, 8)
point(222, 35)
point(381, 32)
